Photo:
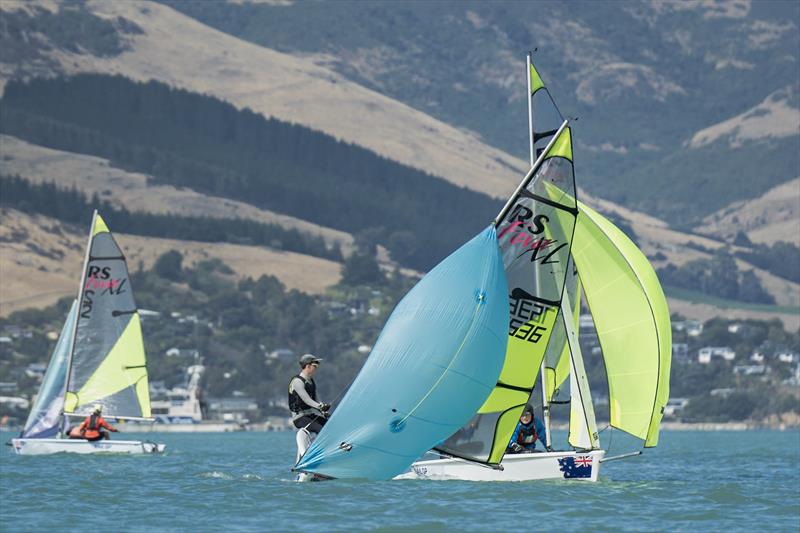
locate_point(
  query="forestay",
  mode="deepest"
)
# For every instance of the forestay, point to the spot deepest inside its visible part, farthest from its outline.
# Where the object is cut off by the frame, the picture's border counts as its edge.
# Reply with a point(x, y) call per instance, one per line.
point(108, 357)
point(632, 320)
point(44, 420)
point(435, 362)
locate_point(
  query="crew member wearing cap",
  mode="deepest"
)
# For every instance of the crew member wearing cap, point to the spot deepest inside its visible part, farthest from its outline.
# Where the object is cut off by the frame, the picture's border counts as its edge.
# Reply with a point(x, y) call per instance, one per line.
point(307, 411)
point(94, 426)
point(529, 430)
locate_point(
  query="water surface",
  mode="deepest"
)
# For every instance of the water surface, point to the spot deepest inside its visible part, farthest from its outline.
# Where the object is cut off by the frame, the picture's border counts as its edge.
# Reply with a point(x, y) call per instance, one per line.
point(694, 481)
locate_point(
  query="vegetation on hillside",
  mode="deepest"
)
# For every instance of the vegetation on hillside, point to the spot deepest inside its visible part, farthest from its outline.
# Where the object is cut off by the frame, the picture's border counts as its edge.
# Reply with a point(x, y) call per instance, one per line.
point(643, 78)
point(26, 36)
point(782, 259)
point(240, 328)
point(717, 276)
point(195, 141)
point(71, 205)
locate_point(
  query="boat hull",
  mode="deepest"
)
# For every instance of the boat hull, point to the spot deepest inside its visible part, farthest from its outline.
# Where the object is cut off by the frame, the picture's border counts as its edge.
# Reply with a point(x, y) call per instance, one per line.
point(50, 446)
point(583, 466)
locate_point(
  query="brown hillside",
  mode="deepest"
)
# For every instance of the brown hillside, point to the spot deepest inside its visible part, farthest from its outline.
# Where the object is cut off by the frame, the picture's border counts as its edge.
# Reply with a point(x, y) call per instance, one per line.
point(182, 52)
point(40, 260)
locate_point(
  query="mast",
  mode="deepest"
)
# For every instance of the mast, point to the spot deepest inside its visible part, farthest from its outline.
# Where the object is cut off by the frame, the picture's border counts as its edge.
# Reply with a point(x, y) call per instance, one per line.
point(545, 402)
point(81, 287)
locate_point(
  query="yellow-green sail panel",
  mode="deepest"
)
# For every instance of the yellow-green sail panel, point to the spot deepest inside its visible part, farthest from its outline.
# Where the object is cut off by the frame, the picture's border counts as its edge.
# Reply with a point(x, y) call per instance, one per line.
point(632, 320)
point(536, 80)
point(123, 368)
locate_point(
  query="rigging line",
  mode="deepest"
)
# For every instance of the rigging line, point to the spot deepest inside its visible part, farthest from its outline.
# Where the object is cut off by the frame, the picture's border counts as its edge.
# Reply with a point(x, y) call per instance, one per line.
point(345, 389)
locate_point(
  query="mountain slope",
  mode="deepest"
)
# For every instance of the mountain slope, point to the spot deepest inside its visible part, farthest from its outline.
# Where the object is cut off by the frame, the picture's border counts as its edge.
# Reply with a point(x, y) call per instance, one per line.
point(773, 216)
point(95, 175)
point(178, 50)
point(644, 77)
point(41, 258)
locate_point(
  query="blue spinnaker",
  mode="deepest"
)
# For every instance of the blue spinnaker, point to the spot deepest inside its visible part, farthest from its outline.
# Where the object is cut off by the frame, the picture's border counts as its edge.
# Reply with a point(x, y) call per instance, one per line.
point(44, 419)
point(436, 361)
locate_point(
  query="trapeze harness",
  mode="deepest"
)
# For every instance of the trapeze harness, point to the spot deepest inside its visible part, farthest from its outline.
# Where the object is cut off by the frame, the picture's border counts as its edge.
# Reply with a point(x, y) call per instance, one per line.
point(305, 416)
point(296, 404)
point(527, 434)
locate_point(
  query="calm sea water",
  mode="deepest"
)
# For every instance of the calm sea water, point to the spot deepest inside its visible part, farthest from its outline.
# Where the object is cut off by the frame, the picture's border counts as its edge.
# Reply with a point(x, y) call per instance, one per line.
point(694, 481)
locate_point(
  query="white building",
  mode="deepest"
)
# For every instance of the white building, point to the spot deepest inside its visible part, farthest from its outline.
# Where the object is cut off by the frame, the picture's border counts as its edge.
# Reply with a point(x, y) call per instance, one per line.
point(704, 355)
point(674, 405)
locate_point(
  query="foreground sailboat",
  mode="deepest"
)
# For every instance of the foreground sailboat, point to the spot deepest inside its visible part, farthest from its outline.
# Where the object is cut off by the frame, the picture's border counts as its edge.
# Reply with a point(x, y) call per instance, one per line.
point(99, 360)
point(629, 311)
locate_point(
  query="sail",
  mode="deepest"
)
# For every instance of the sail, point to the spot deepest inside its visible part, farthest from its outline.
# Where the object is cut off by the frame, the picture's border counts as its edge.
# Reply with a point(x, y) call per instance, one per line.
point(534, 236)
point(556, 359)
point(582, 423)
point(436, 360)
point(632, 321)
point(44, 419)
point(108, 358)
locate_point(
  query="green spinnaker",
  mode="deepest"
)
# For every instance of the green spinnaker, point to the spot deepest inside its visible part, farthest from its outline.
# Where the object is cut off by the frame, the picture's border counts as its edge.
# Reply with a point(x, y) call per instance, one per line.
point(632, 321)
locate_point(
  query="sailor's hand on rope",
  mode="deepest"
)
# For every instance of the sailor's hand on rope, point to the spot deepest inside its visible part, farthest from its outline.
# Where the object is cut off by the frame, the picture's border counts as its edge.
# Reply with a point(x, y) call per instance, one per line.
point(516, 447)
point(325, 407)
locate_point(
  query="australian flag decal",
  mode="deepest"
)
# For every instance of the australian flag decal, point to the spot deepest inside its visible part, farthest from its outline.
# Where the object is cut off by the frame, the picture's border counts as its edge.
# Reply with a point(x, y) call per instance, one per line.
point(576, 467)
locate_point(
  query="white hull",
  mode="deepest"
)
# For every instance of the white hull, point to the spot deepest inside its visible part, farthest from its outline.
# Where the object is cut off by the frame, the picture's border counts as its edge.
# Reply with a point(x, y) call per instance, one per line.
point(518, 467)
point(50, 446)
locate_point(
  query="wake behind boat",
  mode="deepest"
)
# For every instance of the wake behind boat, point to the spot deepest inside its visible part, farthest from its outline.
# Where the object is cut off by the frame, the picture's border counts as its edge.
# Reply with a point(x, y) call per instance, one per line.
point(98, 364)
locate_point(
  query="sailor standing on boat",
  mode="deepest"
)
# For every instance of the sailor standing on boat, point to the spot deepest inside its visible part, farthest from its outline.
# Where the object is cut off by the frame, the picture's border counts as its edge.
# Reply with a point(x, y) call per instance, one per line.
point(307, 411)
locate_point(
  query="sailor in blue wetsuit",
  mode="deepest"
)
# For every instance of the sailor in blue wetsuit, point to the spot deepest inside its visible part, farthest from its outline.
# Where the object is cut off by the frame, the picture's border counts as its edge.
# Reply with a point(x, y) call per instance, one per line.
point(528, 431)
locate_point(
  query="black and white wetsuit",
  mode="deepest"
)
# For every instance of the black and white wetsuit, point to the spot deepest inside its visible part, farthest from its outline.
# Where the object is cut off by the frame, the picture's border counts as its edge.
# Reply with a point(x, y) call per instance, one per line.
point(304, 405)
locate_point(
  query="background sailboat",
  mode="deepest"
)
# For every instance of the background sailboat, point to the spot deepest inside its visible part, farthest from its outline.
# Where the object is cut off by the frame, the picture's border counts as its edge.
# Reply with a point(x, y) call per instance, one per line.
point(99, 359)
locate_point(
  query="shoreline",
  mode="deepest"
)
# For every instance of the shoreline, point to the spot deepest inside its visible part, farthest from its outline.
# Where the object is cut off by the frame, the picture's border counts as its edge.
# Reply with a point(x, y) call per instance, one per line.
point(233, 428)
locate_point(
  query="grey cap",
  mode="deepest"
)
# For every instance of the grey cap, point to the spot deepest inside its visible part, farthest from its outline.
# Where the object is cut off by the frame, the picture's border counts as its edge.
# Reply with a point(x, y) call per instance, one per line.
point(308, 359)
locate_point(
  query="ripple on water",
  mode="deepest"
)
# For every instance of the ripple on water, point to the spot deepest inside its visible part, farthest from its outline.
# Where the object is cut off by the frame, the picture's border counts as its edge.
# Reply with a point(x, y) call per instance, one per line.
point(242, 482)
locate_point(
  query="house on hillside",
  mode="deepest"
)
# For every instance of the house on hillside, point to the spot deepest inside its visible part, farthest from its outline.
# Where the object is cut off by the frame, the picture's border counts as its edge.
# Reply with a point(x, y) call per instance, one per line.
point(675, 406)
point(704, 355)
point(787, 357)
point(693, 328)
point(680, 351)
point(750, 370)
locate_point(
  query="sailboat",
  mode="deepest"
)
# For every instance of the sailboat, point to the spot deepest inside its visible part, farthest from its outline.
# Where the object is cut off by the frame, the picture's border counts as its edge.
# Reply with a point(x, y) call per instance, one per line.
point(99, 360)
point(451, 352)
point(629, 312)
